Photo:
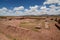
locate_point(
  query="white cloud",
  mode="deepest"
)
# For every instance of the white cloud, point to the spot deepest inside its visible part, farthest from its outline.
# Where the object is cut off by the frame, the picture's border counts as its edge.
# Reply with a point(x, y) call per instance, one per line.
point(52, 1)
point(3, 10)
point(43, 7)
point(34, 7)
point(54, 10)
point(33, 10)
point(19, 8)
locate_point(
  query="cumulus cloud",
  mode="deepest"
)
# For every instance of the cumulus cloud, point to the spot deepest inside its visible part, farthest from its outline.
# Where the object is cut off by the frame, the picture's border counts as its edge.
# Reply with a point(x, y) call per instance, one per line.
point(43, 7)
point(3, 10)
point(52, 1)
point(54, 10)
point(18, 8)
point(34, 7)
point(33, 10)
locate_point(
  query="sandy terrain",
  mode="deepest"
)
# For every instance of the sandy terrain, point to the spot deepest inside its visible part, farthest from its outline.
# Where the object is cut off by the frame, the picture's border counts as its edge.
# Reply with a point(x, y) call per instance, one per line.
point(29, 28)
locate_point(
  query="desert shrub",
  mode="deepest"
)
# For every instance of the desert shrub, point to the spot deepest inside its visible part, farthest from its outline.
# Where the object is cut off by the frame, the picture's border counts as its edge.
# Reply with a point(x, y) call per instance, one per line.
point(51, 19)
point(59, 21)
point(8, 36)
point(37, 28)
point(14, 39)
point(10, 19)
point(57, 26)
point(2, 17)
point(56, 19)
point(21, 18)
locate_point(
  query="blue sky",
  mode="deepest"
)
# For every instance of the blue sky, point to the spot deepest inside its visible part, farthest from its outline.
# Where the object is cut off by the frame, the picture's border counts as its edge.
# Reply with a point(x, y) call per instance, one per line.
point(16, 3)
point(29, 7)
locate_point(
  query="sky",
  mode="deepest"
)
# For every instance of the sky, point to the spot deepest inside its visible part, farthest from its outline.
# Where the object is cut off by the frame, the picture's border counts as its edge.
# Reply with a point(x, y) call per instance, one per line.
point(16, 3)
point(29, 7)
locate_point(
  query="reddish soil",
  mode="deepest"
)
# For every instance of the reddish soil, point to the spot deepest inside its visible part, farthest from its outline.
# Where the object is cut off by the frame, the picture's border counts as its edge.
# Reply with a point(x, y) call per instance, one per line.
point(11, 30)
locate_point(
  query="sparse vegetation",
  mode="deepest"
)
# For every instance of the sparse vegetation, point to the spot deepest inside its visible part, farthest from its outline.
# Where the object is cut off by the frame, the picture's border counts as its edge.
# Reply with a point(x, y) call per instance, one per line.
point(57, 26)
point(59, 21)
point(30, 28)
point(26, 24)
point(51, 19)
point(34, 29)
point(2, 17)
point(8, 36)
point(37, 28)
point(14, 39)
point(10, 19)
point(56, 19)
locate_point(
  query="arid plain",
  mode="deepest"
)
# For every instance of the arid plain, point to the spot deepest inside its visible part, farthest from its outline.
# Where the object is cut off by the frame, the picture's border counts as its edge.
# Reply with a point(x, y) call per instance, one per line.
point(29, 27)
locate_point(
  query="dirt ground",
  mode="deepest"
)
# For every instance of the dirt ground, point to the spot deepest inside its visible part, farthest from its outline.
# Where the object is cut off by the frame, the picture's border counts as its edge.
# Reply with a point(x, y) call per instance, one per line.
point(29, 28)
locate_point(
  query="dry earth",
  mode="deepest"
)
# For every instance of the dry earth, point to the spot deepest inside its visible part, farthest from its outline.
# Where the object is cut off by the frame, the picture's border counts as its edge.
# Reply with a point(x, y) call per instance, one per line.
point(29, 28)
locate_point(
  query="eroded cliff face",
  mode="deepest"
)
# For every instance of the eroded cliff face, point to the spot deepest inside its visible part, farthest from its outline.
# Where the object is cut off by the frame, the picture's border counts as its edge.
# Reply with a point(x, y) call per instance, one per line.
point(29, 28)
